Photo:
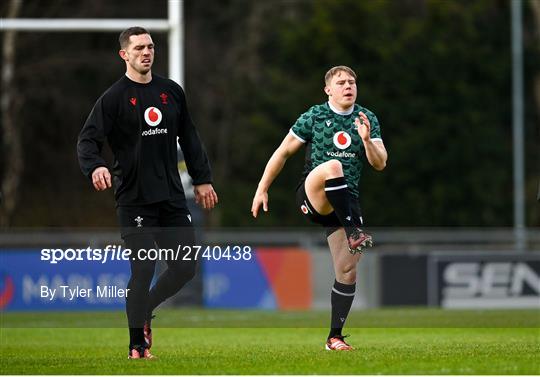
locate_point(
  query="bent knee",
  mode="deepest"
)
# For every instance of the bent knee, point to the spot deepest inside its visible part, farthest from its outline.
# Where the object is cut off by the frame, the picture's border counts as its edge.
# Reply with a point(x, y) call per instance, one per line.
point(349, 268)
point(347, 274)
point(334, 167)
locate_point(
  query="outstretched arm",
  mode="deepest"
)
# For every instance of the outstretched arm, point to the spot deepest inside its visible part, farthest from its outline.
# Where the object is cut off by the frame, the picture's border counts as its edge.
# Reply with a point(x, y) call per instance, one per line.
point(375, 150)
point(289, 146)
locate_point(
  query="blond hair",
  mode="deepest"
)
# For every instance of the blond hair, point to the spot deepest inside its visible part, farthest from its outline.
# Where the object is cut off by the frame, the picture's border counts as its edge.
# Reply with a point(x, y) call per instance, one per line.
point(335, 70)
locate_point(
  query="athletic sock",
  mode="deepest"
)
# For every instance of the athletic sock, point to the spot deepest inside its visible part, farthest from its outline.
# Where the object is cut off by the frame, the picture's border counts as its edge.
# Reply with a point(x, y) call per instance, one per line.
point(339, 197)
point(136, 337)
point(341, 299)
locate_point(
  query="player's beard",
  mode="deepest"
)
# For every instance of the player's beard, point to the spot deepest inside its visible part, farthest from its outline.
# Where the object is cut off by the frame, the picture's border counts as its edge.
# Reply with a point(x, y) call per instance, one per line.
point(144, 71)
point(141, 69)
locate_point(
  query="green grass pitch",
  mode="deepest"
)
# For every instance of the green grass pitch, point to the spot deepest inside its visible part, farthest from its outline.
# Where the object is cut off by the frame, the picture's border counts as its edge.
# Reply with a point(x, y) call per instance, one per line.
point(193, 341)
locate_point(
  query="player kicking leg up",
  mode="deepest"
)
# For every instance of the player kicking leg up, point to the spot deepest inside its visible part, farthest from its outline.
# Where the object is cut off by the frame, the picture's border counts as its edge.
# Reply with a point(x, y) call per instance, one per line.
point(327, 192)
point(339, 136)
point(326, 201)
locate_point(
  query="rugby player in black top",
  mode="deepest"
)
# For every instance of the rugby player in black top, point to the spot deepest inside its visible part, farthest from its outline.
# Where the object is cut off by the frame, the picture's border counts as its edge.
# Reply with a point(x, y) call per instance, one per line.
point(142, 116)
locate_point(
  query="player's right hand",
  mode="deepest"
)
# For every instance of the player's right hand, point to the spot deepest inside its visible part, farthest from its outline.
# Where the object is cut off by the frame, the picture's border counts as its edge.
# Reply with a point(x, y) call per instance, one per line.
point(363, 126)
point(101, 178)
point(260, 198)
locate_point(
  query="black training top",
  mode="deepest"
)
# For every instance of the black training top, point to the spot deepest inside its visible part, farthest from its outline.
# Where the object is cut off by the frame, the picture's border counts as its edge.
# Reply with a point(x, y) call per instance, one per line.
point(142, 123)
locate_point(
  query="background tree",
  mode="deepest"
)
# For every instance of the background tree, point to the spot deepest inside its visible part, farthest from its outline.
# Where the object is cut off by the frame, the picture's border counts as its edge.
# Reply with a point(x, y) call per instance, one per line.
point(11, 135)
point(437, 74)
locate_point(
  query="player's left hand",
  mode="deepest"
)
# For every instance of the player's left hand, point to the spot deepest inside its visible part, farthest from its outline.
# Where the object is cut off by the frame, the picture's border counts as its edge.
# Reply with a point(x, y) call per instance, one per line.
point(363, 126)
point(205, 196)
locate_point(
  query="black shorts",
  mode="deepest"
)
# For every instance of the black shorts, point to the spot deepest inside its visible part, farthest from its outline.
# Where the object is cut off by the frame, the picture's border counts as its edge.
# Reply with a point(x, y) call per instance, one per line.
point(330, 222)
point(153, 217)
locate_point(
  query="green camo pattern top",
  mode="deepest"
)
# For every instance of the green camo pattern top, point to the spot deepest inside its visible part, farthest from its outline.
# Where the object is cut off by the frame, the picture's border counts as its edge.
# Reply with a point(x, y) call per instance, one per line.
point(330, 134)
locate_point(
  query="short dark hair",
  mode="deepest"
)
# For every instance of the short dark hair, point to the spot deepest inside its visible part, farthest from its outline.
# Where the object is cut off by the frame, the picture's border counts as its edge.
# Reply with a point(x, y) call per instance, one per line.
point(123, 39)
point(335, 70)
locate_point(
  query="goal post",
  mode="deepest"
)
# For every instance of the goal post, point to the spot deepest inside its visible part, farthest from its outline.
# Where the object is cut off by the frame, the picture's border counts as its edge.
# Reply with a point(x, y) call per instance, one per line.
point(173, 25)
